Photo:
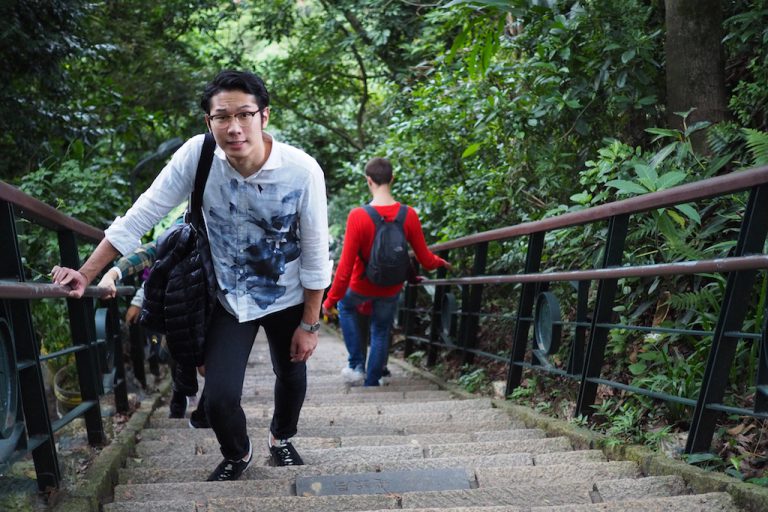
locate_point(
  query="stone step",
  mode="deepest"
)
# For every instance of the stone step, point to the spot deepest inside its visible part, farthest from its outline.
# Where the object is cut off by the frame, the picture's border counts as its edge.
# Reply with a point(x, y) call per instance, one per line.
point(357, 455)
point(556, 473)
point(648, 487)
point(138, 473)
point(343, 398)
point(325, 430)
point(209, 444)
point(199, 437)
point(455, 407)
point(402, 421)
point(720, 502)
point(710, 502)
point(221, 493)
point(187, 456)
point(549, 444)
point(142, 470)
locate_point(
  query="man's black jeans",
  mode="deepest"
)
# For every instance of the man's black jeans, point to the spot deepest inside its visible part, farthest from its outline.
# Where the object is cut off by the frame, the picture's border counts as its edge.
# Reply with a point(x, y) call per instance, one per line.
point(227, 347)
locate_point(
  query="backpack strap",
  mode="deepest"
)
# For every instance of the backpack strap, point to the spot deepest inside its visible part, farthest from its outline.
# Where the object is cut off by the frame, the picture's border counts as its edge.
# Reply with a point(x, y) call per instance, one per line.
point(377, 221)
point(201, 177)
point(401, 214)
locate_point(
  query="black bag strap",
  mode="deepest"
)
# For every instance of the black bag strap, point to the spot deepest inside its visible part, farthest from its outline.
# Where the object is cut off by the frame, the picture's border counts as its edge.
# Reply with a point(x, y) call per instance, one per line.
point(201, 177)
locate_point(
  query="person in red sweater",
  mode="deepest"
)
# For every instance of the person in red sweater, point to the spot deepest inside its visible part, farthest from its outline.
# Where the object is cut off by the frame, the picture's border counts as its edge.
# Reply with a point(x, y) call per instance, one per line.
point(350, 286)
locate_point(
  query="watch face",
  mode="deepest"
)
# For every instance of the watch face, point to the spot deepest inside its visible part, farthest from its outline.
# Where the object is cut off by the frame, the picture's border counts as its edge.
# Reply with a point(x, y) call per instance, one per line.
point(310, 327)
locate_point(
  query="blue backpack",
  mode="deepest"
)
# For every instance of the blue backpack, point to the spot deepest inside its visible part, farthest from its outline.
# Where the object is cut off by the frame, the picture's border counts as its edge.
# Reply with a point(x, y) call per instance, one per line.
point(389, 262)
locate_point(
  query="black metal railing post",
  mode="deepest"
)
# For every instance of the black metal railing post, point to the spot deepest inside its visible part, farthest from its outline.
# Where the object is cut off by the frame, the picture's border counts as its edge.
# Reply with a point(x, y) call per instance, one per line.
point(437, 309)
point(31, 383)
point(81, 322)
point(752, 235)
point(761, 383)
point(524, 312)
point(598, 336)
point(576, 357)
point(410, 315)
point(470, 309)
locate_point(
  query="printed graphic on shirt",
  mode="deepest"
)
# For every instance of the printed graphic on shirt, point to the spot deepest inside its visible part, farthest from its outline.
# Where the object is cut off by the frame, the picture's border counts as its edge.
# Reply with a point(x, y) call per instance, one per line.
point(255, 238)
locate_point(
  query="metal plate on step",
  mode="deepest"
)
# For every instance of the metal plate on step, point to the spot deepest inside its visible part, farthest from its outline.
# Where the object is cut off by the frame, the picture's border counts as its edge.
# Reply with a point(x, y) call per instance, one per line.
point(384, 482)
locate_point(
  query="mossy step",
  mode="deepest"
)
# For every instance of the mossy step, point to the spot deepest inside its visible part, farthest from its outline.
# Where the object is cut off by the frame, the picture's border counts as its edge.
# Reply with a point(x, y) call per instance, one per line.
point(709, 502)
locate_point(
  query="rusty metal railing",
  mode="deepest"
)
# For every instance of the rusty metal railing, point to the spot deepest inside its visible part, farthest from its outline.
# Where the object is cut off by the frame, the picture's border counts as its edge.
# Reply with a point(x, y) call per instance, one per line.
point(537, 321)
point(26, 424)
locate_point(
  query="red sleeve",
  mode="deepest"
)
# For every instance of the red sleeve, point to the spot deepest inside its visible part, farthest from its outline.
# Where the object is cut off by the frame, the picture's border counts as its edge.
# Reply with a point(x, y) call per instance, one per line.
point(415, 235)
point(349, 251)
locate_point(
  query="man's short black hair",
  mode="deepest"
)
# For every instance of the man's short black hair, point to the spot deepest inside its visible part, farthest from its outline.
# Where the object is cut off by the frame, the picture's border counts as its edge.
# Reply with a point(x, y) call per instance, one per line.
point(229, 80)
point(379, 170)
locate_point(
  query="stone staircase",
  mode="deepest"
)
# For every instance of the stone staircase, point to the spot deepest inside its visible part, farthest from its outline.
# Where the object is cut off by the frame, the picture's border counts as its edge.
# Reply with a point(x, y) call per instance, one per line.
point(406, 445)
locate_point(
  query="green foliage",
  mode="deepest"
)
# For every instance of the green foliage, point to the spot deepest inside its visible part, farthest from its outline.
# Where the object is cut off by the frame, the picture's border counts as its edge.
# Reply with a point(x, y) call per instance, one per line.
point(475, 380)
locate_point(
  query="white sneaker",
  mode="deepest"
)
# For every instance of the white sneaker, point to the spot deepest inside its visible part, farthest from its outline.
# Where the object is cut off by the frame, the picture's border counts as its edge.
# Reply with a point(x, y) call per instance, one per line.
point(352, 376)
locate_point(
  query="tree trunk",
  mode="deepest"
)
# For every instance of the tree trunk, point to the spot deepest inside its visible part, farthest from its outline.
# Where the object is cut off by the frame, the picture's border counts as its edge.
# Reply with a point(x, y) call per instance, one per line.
point(695, 69)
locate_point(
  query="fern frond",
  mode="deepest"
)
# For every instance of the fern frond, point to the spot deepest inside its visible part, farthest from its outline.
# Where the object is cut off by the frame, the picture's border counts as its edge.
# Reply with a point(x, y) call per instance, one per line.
point(757, 143)
point(701, 300)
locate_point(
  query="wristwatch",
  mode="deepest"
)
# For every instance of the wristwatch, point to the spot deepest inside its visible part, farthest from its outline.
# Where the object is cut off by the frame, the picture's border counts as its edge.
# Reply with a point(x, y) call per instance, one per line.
point(310, 327)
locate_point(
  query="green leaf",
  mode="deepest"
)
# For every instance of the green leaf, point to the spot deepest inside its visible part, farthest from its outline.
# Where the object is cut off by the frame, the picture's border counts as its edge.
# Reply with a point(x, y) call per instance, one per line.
point(662, 154)
point(697, 458)
point(626, 187)
point(663, 132)
point(581, 198)
point(637, 368)
point(696, 127)
point(471, 150)
point(647, 176)
point(628, 56)
point(675, 217)
point(689, 211)
point(670, 179)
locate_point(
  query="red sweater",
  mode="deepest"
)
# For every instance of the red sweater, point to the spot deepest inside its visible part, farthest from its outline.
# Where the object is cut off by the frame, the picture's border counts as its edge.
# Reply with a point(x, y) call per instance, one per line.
point(358, 239)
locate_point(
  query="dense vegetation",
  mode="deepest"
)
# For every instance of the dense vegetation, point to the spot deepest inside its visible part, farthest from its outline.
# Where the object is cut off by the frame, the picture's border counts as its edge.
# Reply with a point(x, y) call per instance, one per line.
point(529, 108)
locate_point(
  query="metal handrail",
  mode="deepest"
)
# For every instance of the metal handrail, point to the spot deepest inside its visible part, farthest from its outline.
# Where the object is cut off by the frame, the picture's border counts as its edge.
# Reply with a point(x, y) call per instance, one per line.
point(591, 331)
point(95, 343)
point(45, 215)
point(704, 189)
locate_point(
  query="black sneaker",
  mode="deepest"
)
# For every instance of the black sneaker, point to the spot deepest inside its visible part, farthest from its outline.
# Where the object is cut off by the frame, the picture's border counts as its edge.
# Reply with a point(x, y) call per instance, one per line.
point(231, 469)
point(284, 454)
point(178, 405)
point(198, 419)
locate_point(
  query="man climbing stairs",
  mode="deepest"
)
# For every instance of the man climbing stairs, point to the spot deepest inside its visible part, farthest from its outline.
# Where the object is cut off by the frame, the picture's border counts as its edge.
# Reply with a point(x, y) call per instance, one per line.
point(406, 445)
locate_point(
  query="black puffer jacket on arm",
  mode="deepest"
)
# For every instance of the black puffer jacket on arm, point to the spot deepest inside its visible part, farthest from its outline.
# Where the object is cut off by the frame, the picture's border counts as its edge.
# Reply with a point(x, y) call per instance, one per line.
point(180, 292)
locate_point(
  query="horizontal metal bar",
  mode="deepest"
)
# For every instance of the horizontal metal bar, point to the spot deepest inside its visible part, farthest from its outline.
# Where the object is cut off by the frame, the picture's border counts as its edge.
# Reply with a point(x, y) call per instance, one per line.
point(24, 290)
point(45, 215)
point(78, 411)
point(755, 262)
point(640, 391)
point(737, 410)
point(23, 365)
point(63, 352)
point(712, 187)
point(36, 441)
point(548, 369)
